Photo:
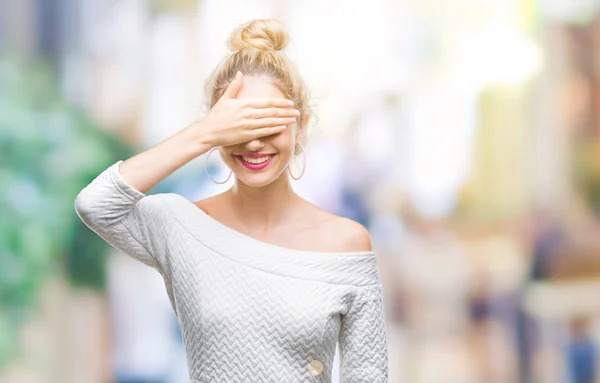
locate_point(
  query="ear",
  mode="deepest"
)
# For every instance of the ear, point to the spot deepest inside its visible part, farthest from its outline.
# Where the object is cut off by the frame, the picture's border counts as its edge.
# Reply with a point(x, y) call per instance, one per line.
point(299, 138)
point(301, 128)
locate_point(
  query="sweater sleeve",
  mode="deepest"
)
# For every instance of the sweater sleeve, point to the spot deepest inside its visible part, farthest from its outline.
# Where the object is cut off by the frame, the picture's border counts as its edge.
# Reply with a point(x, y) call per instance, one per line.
point(363, 343)
point(124, 217)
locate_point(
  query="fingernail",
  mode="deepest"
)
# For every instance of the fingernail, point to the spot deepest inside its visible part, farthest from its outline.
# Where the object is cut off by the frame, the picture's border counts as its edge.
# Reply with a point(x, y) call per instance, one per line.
point(290, 102)
point(238, 75)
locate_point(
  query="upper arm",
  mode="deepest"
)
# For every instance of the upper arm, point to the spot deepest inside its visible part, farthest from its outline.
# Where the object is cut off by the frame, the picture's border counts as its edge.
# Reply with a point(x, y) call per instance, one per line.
point(124, 217)
point(363, 339)
point(144, 231)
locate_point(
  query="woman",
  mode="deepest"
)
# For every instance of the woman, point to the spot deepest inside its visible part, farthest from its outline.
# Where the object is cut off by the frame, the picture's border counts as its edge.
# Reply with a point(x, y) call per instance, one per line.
point(263, 283)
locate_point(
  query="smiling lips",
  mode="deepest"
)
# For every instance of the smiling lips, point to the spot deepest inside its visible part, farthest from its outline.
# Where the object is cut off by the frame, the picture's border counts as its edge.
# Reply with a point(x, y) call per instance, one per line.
point(256, 161)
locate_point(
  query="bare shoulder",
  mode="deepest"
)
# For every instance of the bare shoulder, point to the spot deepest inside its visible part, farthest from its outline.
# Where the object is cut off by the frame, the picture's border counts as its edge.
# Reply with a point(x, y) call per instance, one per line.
point(353, 236)
point(343, 234)
point(210, 204)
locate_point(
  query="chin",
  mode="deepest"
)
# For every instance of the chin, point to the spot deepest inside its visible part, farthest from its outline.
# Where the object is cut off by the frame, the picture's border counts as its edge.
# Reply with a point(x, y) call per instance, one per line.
point(257, 180)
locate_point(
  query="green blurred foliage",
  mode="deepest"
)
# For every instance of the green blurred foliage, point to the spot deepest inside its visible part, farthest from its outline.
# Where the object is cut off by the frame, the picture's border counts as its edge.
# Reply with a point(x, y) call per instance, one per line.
point(49, 151)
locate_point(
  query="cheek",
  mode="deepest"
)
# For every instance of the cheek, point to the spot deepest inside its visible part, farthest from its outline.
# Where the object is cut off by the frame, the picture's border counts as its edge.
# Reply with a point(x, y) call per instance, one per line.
point(226, 153)
point(284, 142)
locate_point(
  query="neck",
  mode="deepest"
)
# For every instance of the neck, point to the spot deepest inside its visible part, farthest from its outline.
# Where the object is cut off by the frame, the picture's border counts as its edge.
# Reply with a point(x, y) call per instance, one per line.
point(263, 207)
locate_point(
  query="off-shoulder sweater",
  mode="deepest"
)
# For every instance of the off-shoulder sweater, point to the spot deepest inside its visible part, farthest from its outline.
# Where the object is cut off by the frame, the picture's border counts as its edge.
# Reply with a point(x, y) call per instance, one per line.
point(249, 311)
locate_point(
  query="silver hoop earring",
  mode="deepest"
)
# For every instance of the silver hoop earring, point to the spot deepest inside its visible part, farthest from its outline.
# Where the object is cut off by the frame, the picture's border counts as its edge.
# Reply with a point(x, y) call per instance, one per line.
point(208, 173)
point(303, 164)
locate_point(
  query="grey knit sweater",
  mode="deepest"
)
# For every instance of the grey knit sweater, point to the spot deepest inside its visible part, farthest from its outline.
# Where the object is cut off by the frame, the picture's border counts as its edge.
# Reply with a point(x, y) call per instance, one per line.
point(249, 311)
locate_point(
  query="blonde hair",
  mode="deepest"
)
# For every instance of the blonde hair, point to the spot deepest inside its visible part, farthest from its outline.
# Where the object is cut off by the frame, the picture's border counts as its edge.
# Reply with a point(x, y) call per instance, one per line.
point(256, 50)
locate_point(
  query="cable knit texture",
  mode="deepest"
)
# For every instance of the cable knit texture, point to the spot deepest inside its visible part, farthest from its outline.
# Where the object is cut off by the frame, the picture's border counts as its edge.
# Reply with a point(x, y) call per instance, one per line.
point(249, 311)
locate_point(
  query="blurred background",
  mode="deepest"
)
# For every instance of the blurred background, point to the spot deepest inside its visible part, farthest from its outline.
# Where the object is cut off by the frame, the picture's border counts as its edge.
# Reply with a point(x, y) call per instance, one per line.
point(464, 134)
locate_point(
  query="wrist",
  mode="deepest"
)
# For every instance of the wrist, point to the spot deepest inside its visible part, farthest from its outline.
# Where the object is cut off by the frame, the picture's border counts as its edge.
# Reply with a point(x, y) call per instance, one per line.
point(198, 138)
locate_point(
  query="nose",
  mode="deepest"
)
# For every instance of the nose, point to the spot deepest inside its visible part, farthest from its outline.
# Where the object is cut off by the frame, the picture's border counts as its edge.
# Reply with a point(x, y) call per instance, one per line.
point(254, 145)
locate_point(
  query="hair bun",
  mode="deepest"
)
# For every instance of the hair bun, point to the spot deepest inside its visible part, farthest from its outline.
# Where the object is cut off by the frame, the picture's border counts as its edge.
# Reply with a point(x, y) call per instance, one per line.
point(261, 34)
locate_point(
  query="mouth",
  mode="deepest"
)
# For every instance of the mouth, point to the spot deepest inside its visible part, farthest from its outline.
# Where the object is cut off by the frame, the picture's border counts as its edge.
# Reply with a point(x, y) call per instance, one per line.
point(254, 162)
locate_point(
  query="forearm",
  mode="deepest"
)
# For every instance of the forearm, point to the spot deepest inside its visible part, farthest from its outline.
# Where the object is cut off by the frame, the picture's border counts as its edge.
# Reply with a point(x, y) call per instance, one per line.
point(148, 168)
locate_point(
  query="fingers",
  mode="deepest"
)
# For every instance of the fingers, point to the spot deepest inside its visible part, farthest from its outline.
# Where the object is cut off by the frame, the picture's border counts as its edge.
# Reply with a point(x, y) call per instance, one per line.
point(269, 102)
point(262, 132)
point(270, 122)
point(274, 112)
point(234, 88)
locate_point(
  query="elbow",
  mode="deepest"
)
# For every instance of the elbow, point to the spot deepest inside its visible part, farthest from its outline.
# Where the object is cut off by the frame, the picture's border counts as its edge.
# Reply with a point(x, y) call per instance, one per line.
point(86, 208)
point(82, 205)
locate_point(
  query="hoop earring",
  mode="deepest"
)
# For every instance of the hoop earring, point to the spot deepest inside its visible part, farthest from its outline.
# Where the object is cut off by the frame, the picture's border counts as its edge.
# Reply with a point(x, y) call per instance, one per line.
point(208, 173)
point(303, 164)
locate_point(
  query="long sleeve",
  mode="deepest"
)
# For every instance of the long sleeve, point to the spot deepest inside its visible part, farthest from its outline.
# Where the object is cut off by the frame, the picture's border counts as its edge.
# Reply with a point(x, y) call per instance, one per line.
point(363, 342)
point(124, 217)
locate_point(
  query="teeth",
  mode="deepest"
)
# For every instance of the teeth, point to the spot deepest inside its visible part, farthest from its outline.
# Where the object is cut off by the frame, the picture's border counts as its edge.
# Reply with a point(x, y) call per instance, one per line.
point(259, 160)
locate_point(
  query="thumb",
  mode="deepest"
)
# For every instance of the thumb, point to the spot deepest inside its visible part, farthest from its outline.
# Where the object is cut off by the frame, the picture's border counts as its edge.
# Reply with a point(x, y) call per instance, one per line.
point(234, 88)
